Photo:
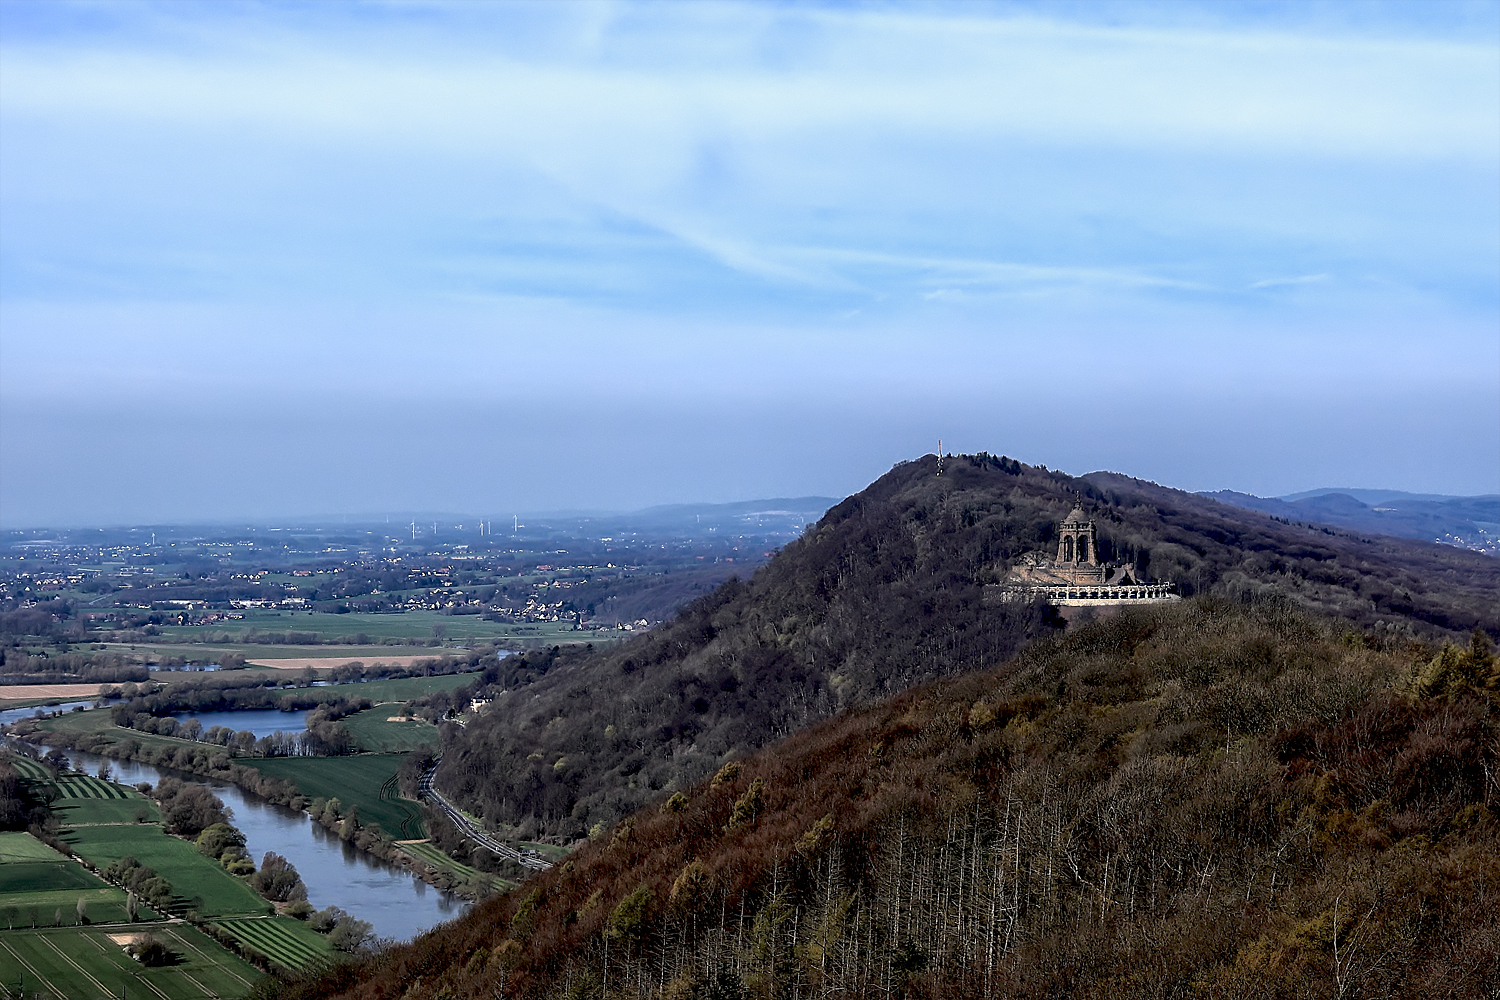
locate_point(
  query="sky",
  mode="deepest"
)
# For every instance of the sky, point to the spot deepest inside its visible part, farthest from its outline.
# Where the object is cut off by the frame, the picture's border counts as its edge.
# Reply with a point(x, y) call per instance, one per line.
point(270, 259)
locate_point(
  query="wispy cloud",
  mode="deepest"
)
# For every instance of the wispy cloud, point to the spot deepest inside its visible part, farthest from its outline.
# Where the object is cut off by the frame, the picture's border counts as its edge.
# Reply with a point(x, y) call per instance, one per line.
point(1192, 184)
point(1305, 279)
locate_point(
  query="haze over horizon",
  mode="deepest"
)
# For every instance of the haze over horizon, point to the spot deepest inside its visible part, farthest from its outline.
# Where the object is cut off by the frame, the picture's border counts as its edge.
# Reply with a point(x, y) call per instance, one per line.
point(264, 260)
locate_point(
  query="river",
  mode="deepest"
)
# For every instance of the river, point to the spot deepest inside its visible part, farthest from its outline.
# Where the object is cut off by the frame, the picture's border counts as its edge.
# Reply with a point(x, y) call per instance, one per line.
point(396, 903)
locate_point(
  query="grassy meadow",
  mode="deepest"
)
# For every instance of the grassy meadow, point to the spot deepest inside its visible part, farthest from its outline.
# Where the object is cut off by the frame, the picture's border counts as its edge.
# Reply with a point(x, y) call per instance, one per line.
point(375, 733)
point(396, 689)
point(97, 722)
point(17, 846)
point(366, 780)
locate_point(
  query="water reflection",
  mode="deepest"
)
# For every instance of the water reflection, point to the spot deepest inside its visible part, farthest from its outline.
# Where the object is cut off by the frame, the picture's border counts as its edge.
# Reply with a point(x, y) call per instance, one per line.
point(396, 903)
point(17, 714)
point(260, 721)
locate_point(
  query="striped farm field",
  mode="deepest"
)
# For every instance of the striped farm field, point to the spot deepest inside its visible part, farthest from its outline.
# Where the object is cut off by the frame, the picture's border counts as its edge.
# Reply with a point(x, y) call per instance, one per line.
point(82, 786)
point(287, 942)
point(87, 964)
point(29, 769)
point(425, 851)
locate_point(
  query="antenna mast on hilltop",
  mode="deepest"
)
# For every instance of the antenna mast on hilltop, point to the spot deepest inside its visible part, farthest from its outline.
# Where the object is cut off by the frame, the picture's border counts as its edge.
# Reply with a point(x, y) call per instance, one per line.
point(940, 456)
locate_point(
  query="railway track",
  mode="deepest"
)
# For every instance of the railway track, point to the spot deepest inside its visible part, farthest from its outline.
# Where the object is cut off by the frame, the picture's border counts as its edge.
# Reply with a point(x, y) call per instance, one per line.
point(466, 826)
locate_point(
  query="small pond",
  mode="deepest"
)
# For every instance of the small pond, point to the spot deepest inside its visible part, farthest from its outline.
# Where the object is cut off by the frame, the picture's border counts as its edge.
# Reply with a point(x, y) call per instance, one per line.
point(17, 714)
point(261, 722)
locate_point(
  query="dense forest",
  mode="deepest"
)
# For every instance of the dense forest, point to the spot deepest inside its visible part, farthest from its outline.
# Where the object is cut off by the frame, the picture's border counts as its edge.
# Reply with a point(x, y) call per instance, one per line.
point(886, 591)
point(1228, 797)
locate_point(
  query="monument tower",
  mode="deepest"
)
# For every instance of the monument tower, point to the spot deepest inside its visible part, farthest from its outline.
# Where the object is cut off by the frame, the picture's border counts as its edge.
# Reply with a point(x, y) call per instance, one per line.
point(1077, 577)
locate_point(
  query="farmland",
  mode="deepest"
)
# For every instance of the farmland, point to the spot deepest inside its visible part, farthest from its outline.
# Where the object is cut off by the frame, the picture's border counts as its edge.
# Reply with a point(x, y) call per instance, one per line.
point(16, 846)
point(78, 963)
point(374, 732)
point(39, 887)
point(32, 896)
point(84, 800)
point(86, 812)
point(366, 630)
point(287, 942)
point(57, 874)
point(398, 688)
point(366, 780)
point(198, 881)
point(199, 650)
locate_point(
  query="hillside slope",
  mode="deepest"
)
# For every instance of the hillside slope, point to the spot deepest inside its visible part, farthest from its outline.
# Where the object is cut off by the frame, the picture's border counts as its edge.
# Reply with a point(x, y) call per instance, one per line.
point(1467, 521)
point(1215, 799)
point(883, 593)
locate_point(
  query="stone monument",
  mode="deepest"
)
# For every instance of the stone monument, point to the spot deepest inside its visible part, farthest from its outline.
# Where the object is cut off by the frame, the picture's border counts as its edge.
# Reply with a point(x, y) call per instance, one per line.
point(1076, 577)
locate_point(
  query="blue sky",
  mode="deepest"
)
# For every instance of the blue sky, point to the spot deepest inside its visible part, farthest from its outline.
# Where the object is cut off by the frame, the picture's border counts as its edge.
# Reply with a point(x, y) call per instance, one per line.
point(271, 259)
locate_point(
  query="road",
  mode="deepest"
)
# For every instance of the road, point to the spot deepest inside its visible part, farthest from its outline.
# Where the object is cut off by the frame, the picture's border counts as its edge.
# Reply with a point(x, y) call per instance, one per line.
point(466, 826)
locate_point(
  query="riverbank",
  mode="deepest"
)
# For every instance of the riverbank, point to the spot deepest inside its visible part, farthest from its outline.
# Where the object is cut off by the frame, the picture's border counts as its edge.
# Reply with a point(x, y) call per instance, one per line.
point(393, 898)
point(114, 898)
point(355, 798)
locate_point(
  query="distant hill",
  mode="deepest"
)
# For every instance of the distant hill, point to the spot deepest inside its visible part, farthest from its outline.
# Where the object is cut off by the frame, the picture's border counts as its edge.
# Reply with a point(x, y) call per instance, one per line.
point(886, 592)
point(1213, 799)
point(969, 801)
point(1469, 522)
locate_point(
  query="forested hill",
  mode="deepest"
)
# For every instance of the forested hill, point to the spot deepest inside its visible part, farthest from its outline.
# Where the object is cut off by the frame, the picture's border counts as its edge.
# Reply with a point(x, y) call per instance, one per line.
point(1216, 799)
point(883, 593)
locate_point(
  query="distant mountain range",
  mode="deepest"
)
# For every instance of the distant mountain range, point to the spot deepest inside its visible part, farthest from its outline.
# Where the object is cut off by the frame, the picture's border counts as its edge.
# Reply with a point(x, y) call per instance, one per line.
point(1468, 522)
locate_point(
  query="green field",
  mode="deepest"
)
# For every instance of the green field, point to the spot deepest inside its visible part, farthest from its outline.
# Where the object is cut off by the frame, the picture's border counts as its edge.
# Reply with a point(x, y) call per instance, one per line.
point(344, 628)
point(85, 812)
point(59, 874)
point(15, 846)
point(366, 780)
point(36, 882)
point(287, 942)
point(105, 905)
point(83, 786)
point(198, 881)
point(29, 769)
point(84, 964)
point(430, 854)
point(373, 731)
point(397, 689)
point(193, 645)
point(375, 627)
point(549, 852)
